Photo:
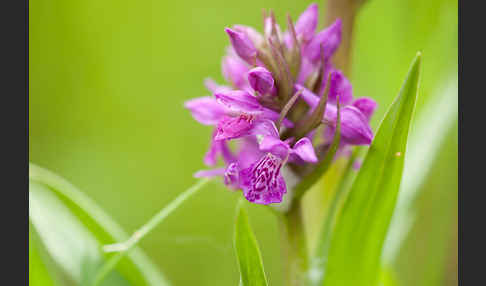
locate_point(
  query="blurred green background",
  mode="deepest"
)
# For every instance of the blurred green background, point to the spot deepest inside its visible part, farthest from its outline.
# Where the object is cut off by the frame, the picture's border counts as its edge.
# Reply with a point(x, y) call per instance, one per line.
point(107, 84)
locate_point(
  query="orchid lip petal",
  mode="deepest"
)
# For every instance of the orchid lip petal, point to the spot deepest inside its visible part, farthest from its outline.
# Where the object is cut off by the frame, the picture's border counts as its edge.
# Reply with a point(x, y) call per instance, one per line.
point(262, 182)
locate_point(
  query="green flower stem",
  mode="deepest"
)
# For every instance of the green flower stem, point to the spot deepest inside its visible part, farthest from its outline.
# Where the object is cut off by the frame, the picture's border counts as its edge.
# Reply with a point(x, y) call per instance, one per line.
point(124, 247)
point(294, 247)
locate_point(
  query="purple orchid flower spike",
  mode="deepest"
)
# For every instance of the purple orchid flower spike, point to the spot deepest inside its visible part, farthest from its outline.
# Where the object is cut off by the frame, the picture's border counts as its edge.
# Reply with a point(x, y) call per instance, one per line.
point(243, 46)
point(267, 80)
point(261, 80)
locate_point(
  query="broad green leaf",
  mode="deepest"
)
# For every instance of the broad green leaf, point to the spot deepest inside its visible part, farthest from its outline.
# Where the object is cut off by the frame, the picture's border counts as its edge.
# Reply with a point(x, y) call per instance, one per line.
point(73, 230)
point(360, 230)
point(247, 251)
point(38, 273)
point(434, 122)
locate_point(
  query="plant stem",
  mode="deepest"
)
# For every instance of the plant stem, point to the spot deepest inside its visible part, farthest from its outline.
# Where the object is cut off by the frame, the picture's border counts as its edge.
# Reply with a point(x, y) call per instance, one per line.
point(124, 247)
point(294, 247)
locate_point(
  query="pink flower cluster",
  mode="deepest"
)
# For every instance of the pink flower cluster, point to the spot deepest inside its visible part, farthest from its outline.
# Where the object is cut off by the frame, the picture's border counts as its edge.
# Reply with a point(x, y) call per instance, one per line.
point(279, 83)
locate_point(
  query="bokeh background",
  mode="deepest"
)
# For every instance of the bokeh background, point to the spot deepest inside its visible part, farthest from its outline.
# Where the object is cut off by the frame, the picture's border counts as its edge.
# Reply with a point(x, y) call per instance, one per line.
point(107, 83)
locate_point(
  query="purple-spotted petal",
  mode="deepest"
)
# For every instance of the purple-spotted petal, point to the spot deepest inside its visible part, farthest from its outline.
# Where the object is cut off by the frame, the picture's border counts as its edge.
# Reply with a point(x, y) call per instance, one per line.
point(243, 46)
point(249, 152)
point(262, 182)
point(307, 23)
point(329, 39)
point(239, 100)
point(261, 80)
point(340, 86)
point(366, 105)
point(304, 149)
point(232, 176)
point(355, 129)
point(234, 127)
point(205, 110)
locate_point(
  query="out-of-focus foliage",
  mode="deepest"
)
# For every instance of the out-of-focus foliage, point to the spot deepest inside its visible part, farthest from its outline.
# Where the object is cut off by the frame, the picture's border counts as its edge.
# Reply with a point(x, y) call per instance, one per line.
point(73, 230)
point(107, 83)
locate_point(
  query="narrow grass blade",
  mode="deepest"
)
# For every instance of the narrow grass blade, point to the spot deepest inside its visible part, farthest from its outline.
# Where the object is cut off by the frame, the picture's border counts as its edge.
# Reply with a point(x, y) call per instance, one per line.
point(359, 234)
point(247, 251)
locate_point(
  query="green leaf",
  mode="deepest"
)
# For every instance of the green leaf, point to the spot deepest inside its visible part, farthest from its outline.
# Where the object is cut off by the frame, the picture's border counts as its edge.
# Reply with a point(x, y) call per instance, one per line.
point(73, 230)
point(38, 273)
point(247, 251)
point(360, 230)
point(434, 122)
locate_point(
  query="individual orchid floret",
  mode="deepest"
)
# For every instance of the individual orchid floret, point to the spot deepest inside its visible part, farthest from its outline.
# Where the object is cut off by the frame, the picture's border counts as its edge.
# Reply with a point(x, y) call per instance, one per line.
point(242, 45)
point(307, 23)
point(261, 80)
point(355, 129)
point(327, 40)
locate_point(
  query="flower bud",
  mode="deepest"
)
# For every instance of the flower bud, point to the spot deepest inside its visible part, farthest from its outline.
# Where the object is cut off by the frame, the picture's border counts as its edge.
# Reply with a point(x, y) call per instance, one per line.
point(307, 23)
point(328, 39)
point(261, 80)
point(243, 46)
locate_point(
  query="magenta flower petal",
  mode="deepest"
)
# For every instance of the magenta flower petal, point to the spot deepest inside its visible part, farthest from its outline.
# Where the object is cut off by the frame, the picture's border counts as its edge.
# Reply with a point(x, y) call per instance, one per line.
point(329, 39)
point(243, 46)
point(249, 152)
point(261, 80)
point(239, 101)
point(307, 23)
point(275, 146)
point(366, 105)
point(213, 87)
point(355, 129)
point(340, 86)
point(304, 149)
point(264, 127)
point(252, 34)
point(234, 127)
point(232, 176)
point(218, 147)
point(206, 110)
point(235, 70)
point(262, 182)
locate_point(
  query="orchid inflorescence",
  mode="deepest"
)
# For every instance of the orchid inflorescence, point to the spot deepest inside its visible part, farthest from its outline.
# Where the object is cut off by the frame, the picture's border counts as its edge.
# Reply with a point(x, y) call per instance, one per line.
point(281, 106)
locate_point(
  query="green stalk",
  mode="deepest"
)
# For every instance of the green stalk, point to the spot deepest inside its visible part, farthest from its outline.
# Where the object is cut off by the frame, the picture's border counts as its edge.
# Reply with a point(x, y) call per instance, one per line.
point(124, 247)
point(294, 247)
